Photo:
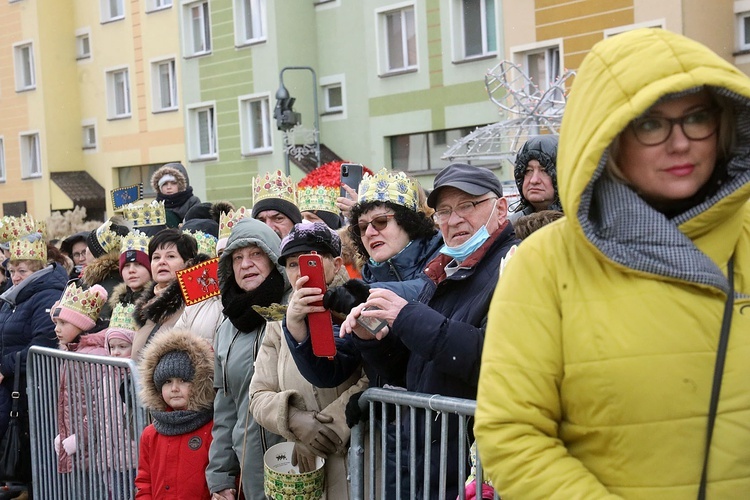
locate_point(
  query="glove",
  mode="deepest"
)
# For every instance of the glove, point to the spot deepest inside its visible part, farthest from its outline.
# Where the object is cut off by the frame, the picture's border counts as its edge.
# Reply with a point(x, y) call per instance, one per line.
point(303, 457)
point(57, 444)
point(69, 445)
point(353, 413)
point(342, 299)
point(310, 429)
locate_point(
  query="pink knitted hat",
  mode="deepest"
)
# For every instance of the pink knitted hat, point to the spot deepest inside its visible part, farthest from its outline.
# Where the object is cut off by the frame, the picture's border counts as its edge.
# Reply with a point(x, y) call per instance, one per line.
point(80, 307)
point(118, 333)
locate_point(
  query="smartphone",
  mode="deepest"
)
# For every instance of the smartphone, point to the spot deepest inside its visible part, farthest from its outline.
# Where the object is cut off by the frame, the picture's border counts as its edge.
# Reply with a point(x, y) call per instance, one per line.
point(321, 324)
point(351, 175)
point(372, 325)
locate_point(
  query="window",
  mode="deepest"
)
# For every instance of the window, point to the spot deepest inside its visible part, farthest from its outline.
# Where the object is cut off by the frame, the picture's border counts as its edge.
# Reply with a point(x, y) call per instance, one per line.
point(83, 46)
point(164, 84)
point(139, 174)
point(202, 133)
point(422, 151)
point(24, 65)
point(541, 63)
point(255, 124)
point(250, 21)
point(399, 34)
point(743, 31)
point(198, 32)
point(159, 4)
point(2, 160)
point(112, 10)
point(478, 28)
point(118, 94)
point(89, 136)
point(31, 162)
point(334, 98)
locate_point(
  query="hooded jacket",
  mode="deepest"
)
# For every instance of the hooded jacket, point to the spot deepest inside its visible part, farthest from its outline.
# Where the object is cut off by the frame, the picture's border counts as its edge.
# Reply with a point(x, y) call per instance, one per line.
point(180, 202)
point(596, 380)
point(542, 148)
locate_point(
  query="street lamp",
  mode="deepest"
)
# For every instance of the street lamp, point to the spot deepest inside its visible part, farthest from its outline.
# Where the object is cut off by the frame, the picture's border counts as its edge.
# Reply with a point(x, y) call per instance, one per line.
point(287, 119)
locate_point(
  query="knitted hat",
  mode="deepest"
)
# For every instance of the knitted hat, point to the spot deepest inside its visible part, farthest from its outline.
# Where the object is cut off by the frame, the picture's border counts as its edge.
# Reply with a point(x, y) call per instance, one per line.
point(275, 192)
point(105, 238)
point(310, 237)
point(118, 333)
point(81, 307)
point(134, 248)
point(174, 364)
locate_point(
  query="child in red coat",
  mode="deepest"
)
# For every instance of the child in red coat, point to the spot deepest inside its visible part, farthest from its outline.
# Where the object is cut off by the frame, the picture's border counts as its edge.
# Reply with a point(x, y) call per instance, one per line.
point(177, 373)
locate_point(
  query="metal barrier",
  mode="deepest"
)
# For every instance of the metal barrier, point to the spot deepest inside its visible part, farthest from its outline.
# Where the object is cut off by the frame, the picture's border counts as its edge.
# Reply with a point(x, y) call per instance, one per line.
point(401, 413)
point(100, 406)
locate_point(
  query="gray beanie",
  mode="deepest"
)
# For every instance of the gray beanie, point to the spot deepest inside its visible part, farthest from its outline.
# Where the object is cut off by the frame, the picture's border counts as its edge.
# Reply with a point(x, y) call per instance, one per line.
point(174, 364)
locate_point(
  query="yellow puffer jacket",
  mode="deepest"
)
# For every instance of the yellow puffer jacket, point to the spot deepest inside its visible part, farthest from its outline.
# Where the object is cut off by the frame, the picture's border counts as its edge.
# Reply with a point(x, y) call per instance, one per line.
point(600, 348)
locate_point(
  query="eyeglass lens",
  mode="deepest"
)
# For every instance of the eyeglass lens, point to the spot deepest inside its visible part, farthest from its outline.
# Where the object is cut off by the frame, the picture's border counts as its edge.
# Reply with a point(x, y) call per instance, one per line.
point(379, 223)
point(654, 130)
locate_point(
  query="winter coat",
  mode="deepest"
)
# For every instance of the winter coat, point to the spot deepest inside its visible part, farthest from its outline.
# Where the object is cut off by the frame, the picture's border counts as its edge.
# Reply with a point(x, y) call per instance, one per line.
point(155, 314)
point(602, 336)
point(25, 321)
point(542, 148)
point(202, 319)
point(91, 343)
point(178, 204)
point(122, 294)
point(104, 271)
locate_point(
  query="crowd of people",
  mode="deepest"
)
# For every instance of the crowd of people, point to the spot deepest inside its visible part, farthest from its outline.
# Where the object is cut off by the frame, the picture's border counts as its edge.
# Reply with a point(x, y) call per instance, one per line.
point(598, 353)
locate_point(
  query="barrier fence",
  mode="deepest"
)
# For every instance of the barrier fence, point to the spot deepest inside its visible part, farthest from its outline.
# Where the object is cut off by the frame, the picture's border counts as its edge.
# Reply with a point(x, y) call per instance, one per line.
point(94, 399)
point(407, 421)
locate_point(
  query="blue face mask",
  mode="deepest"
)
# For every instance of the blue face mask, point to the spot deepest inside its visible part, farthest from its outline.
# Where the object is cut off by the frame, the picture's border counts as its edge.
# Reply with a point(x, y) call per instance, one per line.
point(468, 247)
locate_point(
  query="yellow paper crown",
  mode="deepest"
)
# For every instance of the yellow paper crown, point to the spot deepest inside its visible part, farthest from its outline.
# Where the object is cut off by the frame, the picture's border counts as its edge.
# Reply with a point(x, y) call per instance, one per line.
point(385, 185)
point(29, 247)
point(83, 301)
point(107, 239)
point(206, 242)
point(123, 317)
point(227, 220)
point(311, 198)
point(273, 185)
point(134, 240)
point(148, 214)
point(12, 228)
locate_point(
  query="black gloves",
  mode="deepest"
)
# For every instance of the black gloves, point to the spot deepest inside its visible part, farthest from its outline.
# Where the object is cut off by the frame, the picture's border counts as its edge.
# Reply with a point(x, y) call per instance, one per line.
point(353, 413)
point(342, 299)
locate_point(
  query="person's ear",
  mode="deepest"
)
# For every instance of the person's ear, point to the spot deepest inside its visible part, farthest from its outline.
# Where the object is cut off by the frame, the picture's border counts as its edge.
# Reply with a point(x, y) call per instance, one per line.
point(337, 263)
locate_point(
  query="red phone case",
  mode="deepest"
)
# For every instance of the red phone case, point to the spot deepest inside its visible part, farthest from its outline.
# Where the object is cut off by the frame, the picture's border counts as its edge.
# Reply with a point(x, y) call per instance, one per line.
point(321, 325)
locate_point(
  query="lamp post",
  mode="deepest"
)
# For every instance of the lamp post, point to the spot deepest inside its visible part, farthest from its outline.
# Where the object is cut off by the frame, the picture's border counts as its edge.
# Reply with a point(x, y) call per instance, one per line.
point(287, 119)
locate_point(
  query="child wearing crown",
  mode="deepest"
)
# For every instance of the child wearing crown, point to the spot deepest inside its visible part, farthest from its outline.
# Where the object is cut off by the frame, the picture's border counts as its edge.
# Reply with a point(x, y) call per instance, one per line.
point(74, 316)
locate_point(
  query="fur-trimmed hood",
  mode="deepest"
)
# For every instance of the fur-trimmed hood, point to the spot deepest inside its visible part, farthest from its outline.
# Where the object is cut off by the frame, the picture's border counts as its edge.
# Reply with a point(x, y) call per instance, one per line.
point(122, 294)
point(182, 182)
point(105, 267)
point(201, 357)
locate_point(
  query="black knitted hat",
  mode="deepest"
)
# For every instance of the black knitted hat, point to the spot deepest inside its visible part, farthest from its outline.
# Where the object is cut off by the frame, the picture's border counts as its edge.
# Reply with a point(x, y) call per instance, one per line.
point(174, 364)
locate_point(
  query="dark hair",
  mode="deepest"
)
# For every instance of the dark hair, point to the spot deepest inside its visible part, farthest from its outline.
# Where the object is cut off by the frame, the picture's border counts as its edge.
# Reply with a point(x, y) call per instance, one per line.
point(416, 224)
point(186, 245)
point(527, 224)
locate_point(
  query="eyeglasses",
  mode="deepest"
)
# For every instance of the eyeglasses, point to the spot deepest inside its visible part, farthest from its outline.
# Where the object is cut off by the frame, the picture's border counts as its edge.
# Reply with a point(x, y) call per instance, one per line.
point(79, 255)
point(462, 210)
point(655, 130)
point(378, 223)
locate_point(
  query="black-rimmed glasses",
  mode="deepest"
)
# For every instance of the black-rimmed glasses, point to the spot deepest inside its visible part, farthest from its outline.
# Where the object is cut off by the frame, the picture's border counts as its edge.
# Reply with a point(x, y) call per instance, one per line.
point(655, 130)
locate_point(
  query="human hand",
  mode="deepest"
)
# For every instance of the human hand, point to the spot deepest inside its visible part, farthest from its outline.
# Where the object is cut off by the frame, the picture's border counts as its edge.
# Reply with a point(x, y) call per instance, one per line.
point(300, 302)
point(57, 444)
point(383, 304)
point(228, 494)
point(310, 429)
point(69, 445)
point(303, 457)
point(342, 299)
point(1, 378)
point(350, 325)
point(345, 204)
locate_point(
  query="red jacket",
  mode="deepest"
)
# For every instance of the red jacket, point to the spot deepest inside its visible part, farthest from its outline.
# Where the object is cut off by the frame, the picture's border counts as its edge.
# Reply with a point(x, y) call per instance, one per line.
point(173, 466)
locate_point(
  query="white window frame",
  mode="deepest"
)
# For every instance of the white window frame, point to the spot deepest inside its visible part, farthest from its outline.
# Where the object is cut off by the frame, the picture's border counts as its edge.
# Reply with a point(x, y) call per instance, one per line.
point(2, 158)
point(24, 66)
point(194, 138)
point(189, 32)
point(248, 123)
point(381, 16)
point(486, 24)
point(258, 8)
point(81, 35)
point(27, 150)
point(156, 87)
point(521, 53)
point(157, 5)
point(86, 144)
point(333, 112)
point(107, 12)
point(111, 83)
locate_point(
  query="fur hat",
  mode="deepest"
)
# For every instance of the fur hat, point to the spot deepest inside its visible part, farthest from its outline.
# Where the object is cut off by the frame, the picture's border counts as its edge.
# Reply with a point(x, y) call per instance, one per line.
point(310, 237)
point(174, 173)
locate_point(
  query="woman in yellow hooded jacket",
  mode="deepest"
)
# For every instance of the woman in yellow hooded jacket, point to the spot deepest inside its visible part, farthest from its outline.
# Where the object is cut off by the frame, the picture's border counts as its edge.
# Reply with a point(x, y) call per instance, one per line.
point(603, 333)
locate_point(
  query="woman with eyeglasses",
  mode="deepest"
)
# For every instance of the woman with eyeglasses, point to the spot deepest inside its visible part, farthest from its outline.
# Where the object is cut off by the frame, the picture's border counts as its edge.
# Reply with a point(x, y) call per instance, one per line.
point(624, 372)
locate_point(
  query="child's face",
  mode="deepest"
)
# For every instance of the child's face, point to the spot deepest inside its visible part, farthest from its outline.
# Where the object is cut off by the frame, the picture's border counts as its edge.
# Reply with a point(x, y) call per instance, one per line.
point(119, 348)
point(66, 332)
point(135, 276)
point(176, 393)
point(169, 187)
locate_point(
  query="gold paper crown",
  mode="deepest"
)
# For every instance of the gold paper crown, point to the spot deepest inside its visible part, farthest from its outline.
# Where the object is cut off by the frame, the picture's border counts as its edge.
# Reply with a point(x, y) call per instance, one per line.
point(134, 240)
point(107, 239)
point(41, 227)
point(206, 242)
point(148, 214)
point(123, 316)
point(273, 185)
point(12, 228)
point(29, 247)
point(385, 185)
point(311, 198)
point(227, 220)
point(83, 301)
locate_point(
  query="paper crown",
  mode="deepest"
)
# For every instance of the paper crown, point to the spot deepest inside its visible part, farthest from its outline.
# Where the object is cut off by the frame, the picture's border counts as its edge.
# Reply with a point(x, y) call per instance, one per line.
point(206, 242)
point(385, 185)
point(134, 240)
point(81, 306)
point(12, 228)
point(273, 185)
point(227, 220)
point(29, 247)
point(41, 228)
point(107, 239)
point(148, 214)
point(124, 195)
point(123, 316)
point(313, 198)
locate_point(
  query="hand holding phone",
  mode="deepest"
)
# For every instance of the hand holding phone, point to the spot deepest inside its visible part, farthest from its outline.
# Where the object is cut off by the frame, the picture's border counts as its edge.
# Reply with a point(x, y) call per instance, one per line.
point(372, 325)
point(351, 175)
point(320, 323)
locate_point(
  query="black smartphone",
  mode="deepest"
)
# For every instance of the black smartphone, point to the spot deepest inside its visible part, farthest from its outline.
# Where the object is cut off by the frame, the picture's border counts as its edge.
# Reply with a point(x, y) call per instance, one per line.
point(351, 175)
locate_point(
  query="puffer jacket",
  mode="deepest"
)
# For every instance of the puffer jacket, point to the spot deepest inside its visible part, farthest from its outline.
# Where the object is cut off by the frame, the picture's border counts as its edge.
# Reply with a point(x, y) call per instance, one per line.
point(602, 337)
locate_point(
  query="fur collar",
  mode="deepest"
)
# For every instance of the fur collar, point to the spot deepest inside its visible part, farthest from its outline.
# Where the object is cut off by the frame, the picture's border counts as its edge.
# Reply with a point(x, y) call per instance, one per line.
point(122, 294)
point(103, 267)
point(158, 308)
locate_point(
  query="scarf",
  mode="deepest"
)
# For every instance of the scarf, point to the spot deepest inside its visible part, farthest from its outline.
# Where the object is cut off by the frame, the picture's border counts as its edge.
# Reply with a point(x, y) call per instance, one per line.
point(238, 304)
point(175, 200)
point(174, 423)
